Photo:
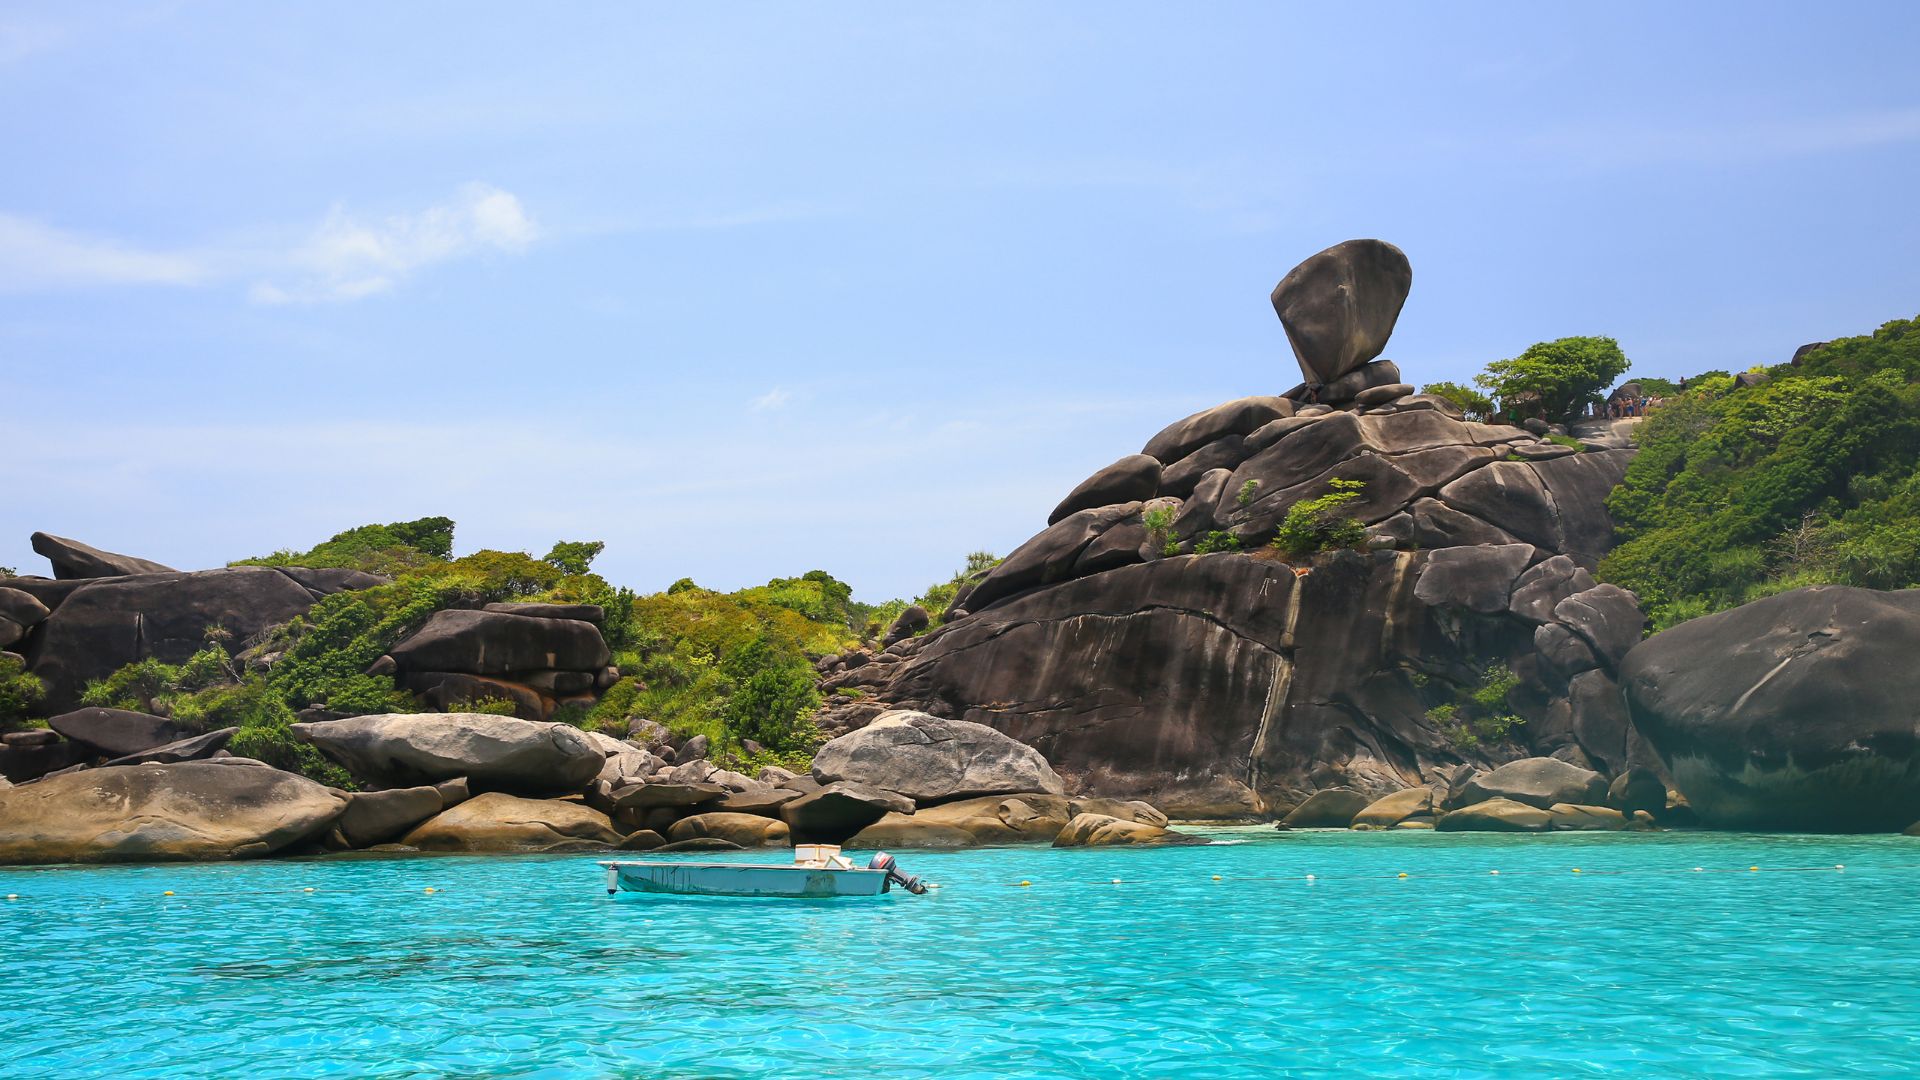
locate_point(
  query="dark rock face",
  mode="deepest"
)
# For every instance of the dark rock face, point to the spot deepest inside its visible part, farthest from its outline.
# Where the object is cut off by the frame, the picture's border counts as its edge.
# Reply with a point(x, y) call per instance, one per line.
point(910, 622)
point(1476, 578)
point(19, 613)
point(1050, 556)
point(1328, 808)
point(196, 748)
point(152, 813)
point(116, 732)
point(1134, 478)
point(1242, 416)
point(108, 624)
point(592, 613)
point(1339, 306)
point(497, 643)
point(376, 817)
point(931, 760)
point(1791, 712)
point(73, 559)
point(839, 810)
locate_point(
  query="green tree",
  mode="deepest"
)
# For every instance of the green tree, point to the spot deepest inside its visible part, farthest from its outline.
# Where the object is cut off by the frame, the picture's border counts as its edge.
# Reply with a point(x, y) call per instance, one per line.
point(1322, 524)
point(1476, 405)
point(1561, 376)
point(574, 556)
point(19, 691)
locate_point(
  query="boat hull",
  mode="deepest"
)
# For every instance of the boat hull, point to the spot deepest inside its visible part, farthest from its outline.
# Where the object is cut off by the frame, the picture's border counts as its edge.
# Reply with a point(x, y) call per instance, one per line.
point(742, 879)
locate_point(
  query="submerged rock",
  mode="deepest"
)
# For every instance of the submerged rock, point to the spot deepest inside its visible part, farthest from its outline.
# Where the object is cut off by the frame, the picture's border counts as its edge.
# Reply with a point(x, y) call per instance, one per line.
point(1099, 830)
point(189, 810)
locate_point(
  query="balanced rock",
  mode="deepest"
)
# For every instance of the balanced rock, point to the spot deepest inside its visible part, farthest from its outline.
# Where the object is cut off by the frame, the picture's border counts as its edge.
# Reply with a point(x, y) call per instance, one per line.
point(73, 559)
point(931, 760)
point(1791, 712)
point(191, 810)
point(1539, 782)
point(494, 753)
point(500, 822)
point(1339, 306)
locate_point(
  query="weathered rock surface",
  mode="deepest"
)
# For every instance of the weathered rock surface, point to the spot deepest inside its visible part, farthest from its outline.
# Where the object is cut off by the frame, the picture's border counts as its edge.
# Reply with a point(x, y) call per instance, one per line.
point(1539, 782)
point(1242, 416)
point(591, 613)
point(1034, 818)
point(498, 822)
point(1571, 818)
point(1496, 815)
point(73, 559)
point(839, 810)
point(376, 817)
point(1098, 830)
point(1475, 578)
point(192, 748)
point(1339, 306)
point(105, 625)
point(192, 810)
point(1791, 712)
point(116, 732)
point(931, 760)
point(1638, 789)
point(498, 643)
point(494, 753)
point(1390, 810)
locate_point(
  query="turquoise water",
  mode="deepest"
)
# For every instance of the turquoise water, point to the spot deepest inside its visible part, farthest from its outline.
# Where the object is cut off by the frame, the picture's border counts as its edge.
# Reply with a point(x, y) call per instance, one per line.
point(524, 967)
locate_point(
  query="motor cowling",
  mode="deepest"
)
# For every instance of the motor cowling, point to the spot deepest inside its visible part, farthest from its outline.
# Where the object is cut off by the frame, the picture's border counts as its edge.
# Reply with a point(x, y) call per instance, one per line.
point(884, 861)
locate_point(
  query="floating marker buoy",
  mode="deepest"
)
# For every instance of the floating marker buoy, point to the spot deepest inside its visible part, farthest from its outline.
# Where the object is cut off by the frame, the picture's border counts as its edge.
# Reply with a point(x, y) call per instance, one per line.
point(1025, 884)
point(1116, 881)
point(1403, 875)
point(1216, 877)
point(1576, 869)
point(13, 896)
point(1698, 869)
point(169, 892)
point(1754, 868)
point(1839, 866)
point(426, 890)
point(1495, 872)
point(307, 889)
point(1309, 877)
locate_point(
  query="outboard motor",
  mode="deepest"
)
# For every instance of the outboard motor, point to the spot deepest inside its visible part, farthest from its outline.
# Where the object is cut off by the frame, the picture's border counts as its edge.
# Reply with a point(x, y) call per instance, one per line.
point(884, 861)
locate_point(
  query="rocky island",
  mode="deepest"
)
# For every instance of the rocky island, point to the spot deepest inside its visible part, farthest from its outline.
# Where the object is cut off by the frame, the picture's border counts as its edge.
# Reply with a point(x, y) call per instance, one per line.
point(1347, 604)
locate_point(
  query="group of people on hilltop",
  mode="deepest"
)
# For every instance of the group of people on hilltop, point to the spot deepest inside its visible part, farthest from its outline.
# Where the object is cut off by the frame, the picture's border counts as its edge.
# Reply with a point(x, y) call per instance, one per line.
point(1620, 408)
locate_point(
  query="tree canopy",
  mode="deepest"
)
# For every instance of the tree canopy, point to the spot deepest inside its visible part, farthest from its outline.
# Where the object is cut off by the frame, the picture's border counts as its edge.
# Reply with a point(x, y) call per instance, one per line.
point(1557, 378)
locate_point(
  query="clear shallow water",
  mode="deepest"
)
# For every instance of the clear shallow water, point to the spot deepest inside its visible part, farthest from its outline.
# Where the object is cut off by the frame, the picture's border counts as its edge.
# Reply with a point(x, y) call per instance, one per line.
point(524, 967)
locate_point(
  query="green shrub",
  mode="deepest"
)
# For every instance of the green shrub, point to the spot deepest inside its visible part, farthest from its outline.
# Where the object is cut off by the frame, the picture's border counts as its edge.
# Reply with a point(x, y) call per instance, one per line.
point(1563, 376)
point(19, 691)
point(1320, 524)
point(1248, 492)
point(489, 706)
point(1216, 540)
point(1482, 713)
point(380, 549)
point(1472, 403)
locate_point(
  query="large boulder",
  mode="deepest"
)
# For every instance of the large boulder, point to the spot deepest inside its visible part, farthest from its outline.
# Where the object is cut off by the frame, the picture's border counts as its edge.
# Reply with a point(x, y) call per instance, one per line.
point(498, 822)
point(1049, 556)
point(746, 830)
point(192, 810)
point(931, 760)
point(73, 559)
point(1791, 712)
point(1339, 306)
point(1011, 819)
point(117, 732)
point(1475, 578)
point(1333, 808)
point(192, 748)
point(494, 753)
point(839, 810)
point(499, 643)
point(1099, 830)
point(1134, 478)
point(375, 817)
point(1539, 782)
point(1242, 416)
point(1390, 810)
point(19, 612)
point(108, 624)
point(1496, 815)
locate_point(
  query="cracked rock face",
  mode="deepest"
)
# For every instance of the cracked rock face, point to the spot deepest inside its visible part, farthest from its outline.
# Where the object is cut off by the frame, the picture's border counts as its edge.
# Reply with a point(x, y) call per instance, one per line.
point(1791, 712)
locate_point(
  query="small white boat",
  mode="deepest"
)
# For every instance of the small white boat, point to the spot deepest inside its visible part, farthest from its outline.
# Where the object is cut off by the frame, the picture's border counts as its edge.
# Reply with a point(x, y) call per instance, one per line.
point(817, 870)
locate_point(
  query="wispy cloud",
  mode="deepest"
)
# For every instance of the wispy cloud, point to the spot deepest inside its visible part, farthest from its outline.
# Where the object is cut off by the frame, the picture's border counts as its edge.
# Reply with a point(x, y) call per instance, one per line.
point(347, 258)
point(33, 255)
point(776, 398)
point(344, 257)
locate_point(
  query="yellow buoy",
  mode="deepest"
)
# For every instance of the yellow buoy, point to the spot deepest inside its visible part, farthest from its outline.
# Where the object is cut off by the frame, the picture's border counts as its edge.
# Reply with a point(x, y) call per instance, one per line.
point(1216, 877)
point(307, 889)
point(426, 890)
point(1754, 868)
point(1576, 869)
point(1024, 884)
point(1403, 875)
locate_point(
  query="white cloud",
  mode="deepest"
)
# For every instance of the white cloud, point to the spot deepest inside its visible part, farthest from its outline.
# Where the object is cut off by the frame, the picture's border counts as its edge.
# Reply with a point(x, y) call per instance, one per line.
point(34, 256)
point(345, 257)
point(776, 398)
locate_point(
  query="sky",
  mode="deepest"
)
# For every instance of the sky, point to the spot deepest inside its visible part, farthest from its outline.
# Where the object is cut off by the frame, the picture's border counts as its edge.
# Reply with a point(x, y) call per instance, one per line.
point(754, 289)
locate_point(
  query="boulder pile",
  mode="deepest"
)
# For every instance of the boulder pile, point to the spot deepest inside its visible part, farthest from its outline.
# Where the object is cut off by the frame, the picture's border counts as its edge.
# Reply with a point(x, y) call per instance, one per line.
point(1529, 795)
point(537, 656)
point(1152, 644)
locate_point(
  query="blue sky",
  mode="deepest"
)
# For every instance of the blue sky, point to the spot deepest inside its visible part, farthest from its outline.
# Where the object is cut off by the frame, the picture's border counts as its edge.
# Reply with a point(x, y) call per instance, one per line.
point(753, 290)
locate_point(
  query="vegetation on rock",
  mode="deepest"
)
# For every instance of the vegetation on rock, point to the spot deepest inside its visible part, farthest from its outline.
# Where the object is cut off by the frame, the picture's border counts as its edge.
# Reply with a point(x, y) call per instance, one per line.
point(1810, 477)
point(1481, 713)
point(1472, 403)
point(1560, 378)
point(1322, 524)
point(18, 690)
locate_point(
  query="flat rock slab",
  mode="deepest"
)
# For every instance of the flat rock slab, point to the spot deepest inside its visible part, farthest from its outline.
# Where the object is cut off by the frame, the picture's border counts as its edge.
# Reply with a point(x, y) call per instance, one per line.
point(117, 732)
point(498, 753)
point(156, 813)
